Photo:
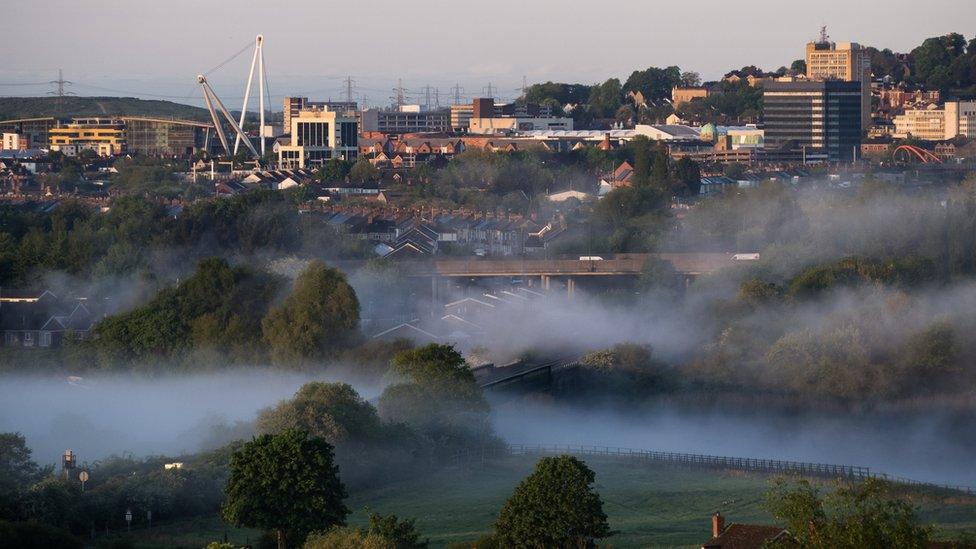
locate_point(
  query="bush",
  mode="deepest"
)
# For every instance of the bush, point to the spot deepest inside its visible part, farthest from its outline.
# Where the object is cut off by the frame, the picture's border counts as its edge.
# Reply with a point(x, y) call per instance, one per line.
point(33, 535)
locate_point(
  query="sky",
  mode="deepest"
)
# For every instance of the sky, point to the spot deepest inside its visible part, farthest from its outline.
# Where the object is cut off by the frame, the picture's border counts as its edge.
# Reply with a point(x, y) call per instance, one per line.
point(154, 49)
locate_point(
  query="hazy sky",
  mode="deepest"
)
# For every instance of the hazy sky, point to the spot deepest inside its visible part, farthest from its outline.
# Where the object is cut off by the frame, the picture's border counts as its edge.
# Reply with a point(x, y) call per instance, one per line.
point(155, 48)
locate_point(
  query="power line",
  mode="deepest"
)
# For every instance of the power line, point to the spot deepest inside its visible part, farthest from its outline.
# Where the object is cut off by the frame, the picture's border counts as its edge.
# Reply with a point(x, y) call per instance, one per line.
point(458, 90)
point(399, 94)
point(427, 95)
point(60, 91)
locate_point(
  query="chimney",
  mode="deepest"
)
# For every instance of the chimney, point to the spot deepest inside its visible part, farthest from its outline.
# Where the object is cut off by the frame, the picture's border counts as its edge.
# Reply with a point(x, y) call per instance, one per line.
point(718, 524)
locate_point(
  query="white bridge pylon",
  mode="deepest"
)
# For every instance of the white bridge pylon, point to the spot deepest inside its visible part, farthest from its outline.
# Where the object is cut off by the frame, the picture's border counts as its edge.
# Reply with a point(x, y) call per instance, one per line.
point(257, 59)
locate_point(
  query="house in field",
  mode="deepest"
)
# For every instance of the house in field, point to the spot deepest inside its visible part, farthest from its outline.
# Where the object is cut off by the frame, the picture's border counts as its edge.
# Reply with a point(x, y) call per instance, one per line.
point(42, 320)
point(746, 536)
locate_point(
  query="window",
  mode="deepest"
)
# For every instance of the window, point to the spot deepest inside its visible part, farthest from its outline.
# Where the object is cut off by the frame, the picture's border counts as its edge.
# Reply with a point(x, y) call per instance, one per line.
point(45, 339)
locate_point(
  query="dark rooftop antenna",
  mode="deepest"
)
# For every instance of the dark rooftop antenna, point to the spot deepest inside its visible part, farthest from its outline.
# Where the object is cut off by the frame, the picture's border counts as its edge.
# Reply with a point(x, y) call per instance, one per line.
point(824, 38)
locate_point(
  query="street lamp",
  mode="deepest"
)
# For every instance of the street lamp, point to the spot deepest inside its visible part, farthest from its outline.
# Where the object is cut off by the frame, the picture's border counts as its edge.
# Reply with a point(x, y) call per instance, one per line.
point(83, 477)
point(128, 520)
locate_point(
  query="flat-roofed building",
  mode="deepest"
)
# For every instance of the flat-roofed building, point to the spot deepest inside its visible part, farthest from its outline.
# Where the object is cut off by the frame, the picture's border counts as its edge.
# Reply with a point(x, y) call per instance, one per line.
point(408, 119)
point(928, 124)
point(934, 123)
point(105, 136)
point(33, 130)
point(317, 135)
point(845, 61)
point(516, 124)
point(293, 105)
point(165, 137)
point(13, 142)
point(668, 132)
point(820, 119)
point(461, 116)
point(960, 119)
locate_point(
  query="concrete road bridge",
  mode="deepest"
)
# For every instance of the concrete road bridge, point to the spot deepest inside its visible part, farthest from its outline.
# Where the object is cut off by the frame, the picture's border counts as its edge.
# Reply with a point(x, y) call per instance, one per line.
point(688, 265)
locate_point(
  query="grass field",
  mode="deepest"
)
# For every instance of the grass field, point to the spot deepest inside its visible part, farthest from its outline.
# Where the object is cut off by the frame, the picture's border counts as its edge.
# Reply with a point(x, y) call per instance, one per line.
point(648, 506)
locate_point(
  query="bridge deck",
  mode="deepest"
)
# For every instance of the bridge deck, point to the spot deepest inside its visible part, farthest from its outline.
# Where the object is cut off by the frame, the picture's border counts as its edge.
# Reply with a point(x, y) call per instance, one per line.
point(630, 265)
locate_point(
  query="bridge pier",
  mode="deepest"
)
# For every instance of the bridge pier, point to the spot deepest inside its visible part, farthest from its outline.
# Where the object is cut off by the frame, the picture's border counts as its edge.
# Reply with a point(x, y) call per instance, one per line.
point(544, 282)
point(570, 286)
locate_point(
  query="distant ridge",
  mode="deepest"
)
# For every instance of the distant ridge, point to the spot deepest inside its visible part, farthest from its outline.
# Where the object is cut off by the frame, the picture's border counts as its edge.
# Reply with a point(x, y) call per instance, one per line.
point(32, 107)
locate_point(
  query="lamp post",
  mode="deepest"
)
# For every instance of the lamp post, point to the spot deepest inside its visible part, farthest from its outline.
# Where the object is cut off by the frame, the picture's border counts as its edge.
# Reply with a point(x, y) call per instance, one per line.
point(128, 520)
point(83, 477)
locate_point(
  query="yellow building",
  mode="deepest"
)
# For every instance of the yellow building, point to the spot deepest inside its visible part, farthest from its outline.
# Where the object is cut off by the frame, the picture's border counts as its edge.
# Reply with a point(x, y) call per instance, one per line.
point(318, 135)
point(104, 136)
point(687, 95)
point(846, 61)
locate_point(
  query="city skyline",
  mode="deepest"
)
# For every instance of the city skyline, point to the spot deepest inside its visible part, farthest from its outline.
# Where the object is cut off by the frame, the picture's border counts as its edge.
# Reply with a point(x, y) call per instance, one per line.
point(427, 43)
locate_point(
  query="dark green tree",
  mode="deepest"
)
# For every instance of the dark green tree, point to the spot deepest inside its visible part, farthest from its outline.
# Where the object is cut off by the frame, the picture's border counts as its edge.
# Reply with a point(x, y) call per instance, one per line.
point(364, 172)
point(318, 318)
point(439, 397)
point(687, 174)
point(859, 515)
point(661, 171)
point(643, 150)
point(336, 169)
point(555, 506)
point(288, 483)
point(332, 411)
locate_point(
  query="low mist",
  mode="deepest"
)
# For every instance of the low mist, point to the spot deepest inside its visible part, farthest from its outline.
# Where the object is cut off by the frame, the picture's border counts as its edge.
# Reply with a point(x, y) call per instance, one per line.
point(920, 448)
point(101, 415)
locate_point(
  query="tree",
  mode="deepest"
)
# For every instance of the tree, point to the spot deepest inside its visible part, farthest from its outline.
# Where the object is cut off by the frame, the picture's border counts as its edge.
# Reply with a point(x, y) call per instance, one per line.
point(17, 472)
point(555, 506)
point(402, 533)
point(383, 532)
point(734, 171)
point(605, 99)
point(799, 67)
point(287, 482)
point(661, 172)
point(362, 172)
point(439, 397)
point(336, 169)
point(654, 83)
point(687, 172)
point(690, 79)
point(31, 535)
point(332, 411)
point(859, 515)
point(318, 318)
point(643, 151)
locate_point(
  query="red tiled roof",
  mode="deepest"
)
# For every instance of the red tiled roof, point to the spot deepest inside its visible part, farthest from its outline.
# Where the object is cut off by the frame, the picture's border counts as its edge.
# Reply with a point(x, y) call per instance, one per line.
point(744, 536)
